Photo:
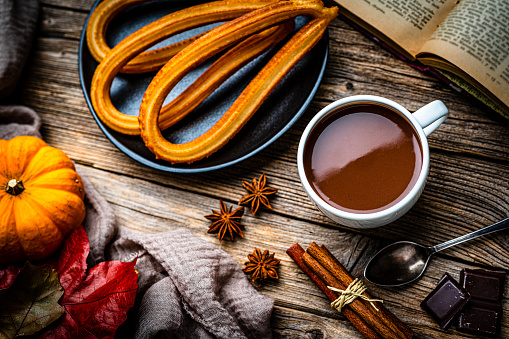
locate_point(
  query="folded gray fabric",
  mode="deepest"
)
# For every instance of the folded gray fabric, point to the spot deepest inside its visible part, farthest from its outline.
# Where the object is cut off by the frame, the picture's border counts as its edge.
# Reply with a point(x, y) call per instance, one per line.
point(205, 294)
point(18, 120)
point(18, 20)
point(188, 287)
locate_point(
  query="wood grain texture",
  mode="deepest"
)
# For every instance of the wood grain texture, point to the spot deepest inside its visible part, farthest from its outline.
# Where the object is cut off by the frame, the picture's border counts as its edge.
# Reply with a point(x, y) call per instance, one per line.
point(135, 199)
point(463, 193)
point(74, 5)
point(467, 188)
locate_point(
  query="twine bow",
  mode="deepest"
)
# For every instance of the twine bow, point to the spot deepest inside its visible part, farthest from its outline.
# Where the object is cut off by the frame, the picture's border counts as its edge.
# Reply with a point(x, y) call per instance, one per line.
point(353, 291)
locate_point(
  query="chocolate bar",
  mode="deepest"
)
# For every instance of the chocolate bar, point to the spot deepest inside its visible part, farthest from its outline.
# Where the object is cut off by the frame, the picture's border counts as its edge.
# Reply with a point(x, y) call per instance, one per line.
point(483, 313)
point(481, 318)
point(483, 284)
point(445, 301)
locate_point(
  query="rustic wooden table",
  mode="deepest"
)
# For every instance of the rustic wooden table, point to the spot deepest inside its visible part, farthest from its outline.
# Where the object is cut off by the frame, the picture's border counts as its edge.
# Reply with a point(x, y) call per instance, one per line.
point(467, 188)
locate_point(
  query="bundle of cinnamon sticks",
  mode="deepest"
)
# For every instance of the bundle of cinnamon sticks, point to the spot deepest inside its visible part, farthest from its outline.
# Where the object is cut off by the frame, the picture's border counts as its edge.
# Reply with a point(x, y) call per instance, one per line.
point(318, 263)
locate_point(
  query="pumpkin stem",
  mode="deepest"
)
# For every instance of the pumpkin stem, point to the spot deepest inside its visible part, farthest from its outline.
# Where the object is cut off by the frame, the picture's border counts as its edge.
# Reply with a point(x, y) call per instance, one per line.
point(14, 187)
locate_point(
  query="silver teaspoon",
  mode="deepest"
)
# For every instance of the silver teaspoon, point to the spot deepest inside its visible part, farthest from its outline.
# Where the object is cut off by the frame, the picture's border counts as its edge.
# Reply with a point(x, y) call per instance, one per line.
point(405, 261)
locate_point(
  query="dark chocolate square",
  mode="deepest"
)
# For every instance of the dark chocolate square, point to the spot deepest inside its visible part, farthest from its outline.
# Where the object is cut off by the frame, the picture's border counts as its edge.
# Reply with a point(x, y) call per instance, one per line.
point(481, 318)
point(445, 301)
point(483, 284)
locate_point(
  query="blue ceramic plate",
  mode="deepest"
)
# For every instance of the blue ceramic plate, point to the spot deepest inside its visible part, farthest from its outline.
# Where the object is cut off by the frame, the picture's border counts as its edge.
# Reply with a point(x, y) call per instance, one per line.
point(277, 114)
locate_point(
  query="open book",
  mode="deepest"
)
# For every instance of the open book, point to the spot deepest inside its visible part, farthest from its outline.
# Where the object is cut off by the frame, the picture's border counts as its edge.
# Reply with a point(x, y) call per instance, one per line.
point(467, 41)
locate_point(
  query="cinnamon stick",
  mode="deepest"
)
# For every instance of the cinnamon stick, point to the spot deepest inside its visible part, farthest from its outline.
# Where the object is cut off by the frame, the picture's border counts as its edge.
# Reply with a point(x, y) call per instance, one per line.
point(401, 325)
point(365, 311)
point(343, 277)
point(296, 252)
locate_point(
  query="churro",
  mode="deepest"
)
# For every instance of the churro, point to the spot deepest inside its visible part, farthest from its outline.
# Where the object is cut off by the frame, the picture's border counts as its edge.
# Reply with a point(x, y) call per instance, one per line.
point(256, 26)
point(255, 93)
point(146, 37)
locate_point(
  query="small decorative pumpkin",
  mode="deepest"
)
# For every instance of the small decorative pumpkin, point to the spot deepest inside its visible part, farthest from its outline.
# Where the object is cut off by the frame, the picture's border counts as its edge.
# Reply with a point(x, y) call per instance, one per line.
point(41, 199)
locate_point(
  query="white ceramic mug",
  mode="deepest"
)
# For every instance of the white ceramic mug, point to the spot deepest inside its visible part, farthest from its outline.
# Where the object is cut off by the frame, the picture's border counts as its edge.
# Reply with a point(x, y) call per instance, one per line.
point(424, 121)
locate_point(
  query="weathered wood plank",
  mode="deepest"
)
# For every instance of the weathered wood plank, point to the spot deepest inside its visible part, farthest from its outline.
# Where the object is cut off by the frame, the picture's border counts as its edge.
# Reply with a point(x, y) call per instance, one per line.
point(459, 206)
point(467, 188)
point(376, 75)
point(290, 323)
point(61, 23)
point(451, 190)
point(82, 5)
point(56, 62)
point(60, 18)
point(164, 208)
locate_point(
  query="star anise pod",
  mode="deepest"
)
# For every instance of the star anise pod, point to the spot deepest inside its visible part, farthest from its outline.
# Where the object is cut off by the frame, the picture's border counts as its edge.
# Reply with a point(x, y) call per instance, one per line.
point(226, 221)
point(261, 266)
point(258, 193)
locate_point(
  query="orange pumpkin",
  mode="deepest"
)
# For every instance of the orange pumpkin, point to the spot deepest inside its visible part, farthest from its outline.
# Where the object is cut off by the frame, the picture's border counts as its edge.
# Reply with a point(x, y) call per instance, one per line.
point(41, 199)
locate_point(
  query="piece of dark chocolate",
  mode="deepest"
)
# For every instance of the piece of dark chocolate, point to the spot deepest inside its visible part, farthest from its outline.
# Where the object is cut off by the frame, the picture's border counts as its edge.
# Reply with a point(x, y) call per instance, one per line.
point(483, 284)
point(481, 318)
point(445, 301)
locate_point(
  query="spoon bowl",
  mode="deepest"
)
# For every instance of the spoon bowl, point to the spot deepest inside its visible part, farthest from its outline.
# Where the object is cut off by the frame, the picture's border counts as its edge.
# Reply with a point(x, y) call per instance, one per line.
point(405, 261)
point(398, 264)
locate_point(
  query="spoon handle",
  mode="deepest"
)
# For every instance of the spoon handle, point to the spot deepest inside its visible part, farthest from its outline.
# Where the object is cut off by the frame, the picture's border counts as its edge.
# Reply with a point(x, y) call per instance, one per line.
point(501, 225)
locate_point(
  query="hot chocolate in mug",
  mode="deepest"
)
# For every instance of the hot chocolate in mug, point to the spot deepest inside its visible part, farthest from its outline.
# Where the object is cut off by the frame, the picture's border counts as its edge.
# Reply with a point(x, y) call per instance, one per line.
point(363, 160)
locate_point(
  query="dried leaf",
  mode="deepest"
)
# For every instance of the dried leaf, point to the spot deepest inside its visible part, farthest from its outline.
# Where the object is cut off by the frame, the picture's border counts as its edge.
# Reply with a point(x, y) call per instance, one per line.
point(95, 305)
point(31, 302)
point(8, 275)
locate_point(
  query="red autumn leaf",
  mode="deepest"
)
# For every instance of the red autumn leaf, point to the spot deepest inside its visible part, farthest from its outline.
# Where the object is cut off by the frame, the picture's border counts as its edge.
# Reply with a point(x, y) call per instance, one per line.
point(95, 305)
point(8, 275)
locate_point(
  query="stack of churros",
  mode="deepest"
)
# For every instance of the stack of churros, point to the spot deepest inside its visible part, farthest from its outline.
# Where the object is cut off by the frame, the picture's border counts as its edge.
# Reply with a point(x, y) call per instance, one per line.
point(251, 28)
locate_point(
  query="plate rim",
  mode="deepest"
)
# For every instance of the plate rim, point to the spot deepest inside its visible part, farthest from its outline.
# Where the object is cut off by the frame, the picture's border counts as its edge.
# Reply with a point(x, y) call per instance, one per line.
point(167, 168)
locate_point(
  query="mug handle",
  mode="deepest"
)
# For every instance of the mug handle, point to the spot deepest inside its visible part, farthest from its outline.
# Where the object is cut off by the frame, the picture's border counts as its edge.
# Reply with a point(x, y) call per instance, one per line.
point(431, 116)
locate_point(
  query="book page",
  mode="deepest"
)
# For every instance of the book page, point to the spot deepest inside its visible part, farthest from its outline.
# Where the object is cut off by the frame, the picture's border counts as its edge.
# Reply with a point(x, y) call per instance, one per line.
point(475, 38)
point(407, 23)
